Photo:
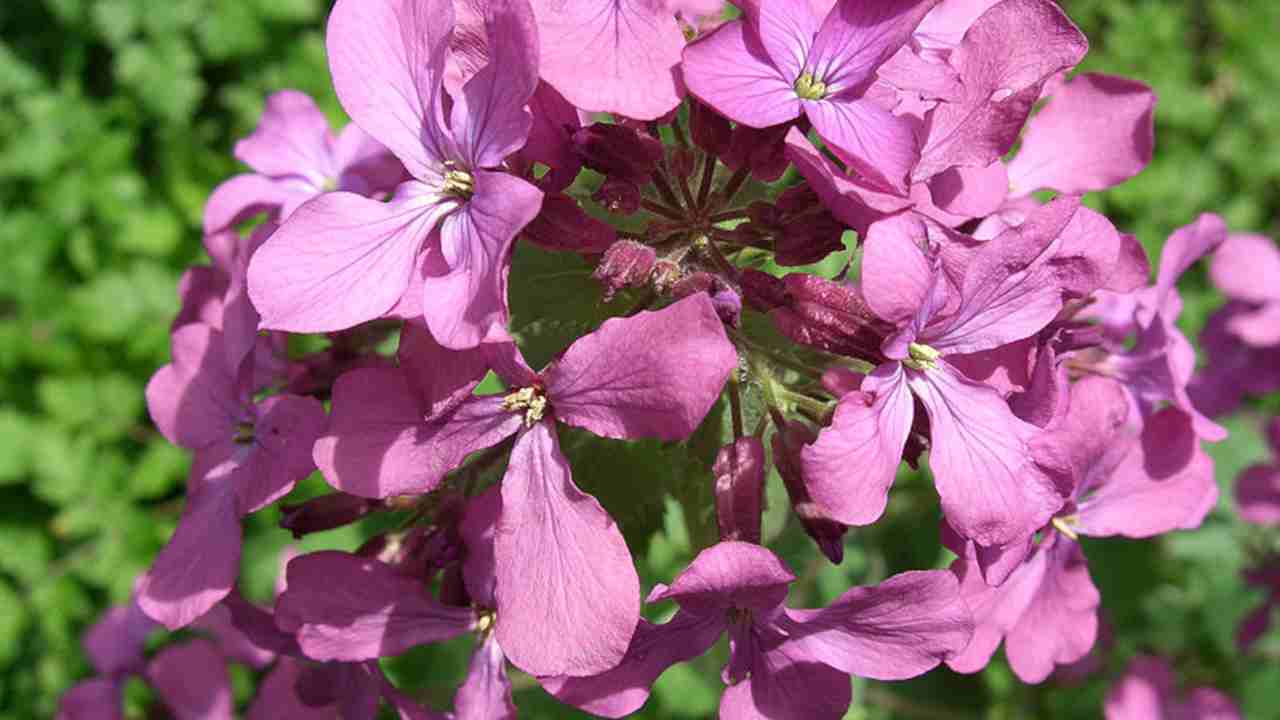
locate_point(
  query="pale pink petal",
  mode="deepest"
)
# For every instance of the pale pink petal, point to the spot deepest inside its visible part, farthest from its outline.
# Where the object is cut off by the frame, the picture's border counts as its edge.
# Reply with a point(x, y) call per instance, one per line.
point(616, 56)
point(869, 139)
point(848, 198)
point(654, 374)
point(1247, 267)
point(243, 196)
point(292, 138)
point(387, 61)
point(340, 260)
point(849, 469)
point(730, 575)
point(489, 120)
point(731, 71)
point(1133, 267)
point(192, 680)
point(996, 610)
point(345, 607)
point(1142, 692)
point(571, 606)
point(1260, 328)
point(380, 442)
point(901, 628)
point(996, 485)
point(365, 165)
point(1096, 132)
point(199, 565)
point(623, 690)
point(465, 303)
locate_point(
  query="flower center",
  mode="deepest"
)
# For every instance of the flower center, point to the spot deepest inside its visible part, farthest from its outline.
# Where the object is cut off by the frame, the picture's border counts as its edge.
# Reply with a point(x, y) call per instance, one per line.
point(810, 88)
point(1067, 526)
point(921, 357)
point(459, 184)
point(529, 401)
point(329, 185)
point(244, 433)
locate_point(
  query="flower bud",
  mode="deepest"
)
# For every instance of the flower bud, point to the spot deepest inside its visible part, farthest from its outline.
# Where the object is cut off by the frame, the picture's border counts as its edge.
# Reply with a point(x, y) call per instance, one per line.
point(682, 162)
point(617, 151)
point(710, 130)
point(325, 513)
point(563, 225)
point(626, 263)
point(617, 195)
point(808, 239)
point(827, 533)
point(762, 291)
point(739, 473)
point(761, 150)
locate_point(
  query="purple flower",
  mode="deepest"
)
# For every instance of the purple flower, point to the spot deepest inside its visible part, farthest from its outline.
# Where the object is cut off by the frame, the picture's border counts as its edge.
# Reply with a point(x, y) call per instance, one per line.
point(343, 259)
point(1146, 692)
point(570, 607)
point(785, 60)
point(998, 479)
point(248, 455)
point(1127, 483)
point(783, 663)
point(296, 157)
point(1258, 487)
point(1247, 267)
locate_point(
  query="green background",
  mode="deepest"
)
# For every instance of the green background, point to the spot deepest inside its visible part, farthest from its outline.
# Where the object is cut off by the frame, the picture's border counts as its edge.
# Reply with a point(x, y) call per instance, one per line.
point(117, 117)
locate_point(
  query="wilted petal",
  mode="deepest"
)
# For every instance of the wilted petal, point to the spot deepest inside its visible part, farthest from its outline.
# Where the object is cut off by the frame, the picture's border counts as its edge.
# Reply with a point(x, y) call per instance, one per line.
point(381, 443)
point(654, 374)
point(730, 575)
point(731, 71)
point(1004, 60)
point(654, 648)
point(345, 607)
point(387, 58)
point(465, 303)
point(849, 199)
point(192, 680)
point(997, 486)
point(901, 628)
point(340, 260)
point(849, 469)
point(199, 565)
point(869, 139)
point(486, 694)
point(571, 607)
point(489, 120)
point(292, 138)
point(617, 56)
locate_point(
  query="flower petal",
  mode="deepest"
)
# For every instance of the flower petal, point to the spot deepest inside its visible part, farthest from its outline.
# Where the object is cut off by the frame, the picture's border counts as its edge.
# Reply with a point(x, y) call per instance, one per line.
point(192, 680)
point(465, 302)
point(728, 575)
point(349, 608)
point(568, 594)
point(787, 685)
point(731, 71)
point(849, 469)
point(849, 198)
point(1247, 267)
point(654, 374)
point(243, 196)
point(292, 139)
point(869, 139)
point(486, 694)
point(340, 260)
point(739, 471)
point(1060, 624)
point(440, 377)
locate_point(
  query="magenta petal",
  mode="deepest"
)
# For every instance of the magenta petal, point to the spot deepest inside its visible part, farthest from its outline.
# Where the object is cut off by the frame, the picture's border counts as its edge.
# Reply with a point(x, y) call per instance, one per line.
point(285, 431)
point(785, 30)
point(489, 120)
point(1247, 267)
point(477, 529)
point(96, 699)
point(730, 575)
point(193, 399)
point(199, 565)
point(971, 191)
point(654, 374)
point(901, 628)
point(1258, 494)
point(996, 485)
point(486, 694)
point(244, 196)
point(1060, 624)
point(571, 607)
point(897, 278)
point(1096, 132)
point(278, 700)
point(365, 165)
point(340, 260)
point(739, 471)
point(731, 71)
point(623, 690)
point(1185, 246)
point(380, 442)
point(848, 198)
point(292, 138)
point(856, 38)
point(440, 377)
point(349, 608)
point(467, 305)
point(619, 56)
point(387, 58)
point(787, 684)
point(1140, 694)
point(117, 641)
point(1260, 328)
point(849, 469)
point(868, 138)
point(192, 680)
point(234, 643)
point(995, 609)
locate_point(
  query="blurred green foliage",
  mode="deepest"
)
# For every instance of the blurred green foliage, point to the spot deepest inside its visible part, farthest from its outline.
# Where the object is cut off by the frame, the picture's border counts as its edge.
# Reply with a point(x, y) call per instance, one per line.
point(117, 118)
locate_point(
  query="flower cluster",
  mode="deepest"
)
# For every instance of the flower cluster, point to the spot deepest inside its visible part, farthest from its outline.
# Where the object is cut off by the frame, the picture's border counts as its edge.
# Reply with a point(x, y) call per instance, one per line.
point(987, 320)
